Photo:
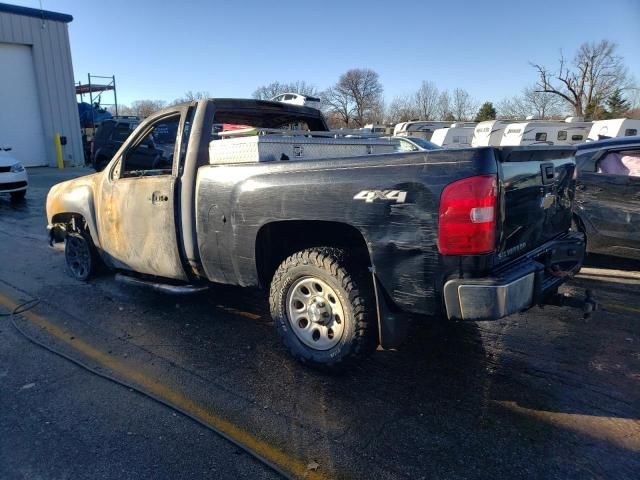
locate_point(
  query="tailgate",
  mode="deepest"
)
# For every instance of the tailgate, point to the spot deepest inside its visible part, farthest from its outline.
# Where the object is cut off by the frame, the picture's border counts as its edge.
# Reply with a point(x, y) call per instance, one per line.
point(537, 192)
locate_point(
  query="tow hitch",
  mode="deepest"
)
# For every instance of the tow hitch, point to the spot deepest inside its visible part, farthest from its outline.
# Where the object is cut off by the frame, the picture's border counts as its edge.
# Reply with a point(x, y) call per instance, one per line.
point(588, 305)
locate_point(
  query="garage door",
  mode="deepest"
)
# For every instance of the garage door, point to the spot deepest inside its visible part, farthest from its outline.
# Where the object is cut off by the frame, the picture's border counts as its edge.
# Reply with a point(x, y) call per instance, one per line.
point(20, 117)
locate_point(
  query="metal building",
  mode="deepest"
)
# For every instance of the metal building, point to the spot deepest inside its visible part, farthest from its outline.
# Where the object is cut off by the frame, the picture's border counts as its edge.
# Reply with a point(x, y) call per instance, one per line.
point(37, 95)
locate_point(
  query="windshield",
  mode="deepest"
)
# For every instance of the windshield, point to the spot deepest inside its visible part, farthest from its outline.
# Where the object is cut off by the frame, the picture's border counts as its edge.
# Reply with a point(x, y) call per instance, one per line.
point(426, 144)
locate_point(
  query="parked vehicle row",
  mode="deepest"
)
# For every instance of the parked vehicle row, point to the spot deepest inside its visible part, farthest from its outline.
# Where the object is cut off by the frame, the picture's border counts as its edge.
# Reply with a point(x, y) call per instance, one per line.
point(572, 131)
point(347, 246)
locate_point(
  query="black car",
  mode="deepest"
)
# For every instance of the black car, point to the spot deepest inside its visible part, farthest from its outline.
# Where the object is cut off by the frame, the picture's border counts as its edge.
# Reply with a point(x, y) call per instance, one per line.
point(608, 196)
point(109, 137)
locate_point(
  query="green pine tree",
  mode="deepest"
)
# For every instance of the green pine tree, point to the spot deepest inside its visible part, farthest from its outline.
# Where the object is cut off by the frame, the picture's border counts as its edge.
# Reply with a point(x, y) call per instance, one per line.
point(486, 112)
point(617, 105)
point(593, 111)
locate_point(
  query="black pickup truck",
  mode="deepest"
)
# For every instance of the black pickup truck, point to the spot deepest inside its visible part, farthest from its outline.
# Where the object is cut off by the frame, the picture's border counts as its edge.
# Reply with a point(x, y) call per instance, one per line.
point(346, 245)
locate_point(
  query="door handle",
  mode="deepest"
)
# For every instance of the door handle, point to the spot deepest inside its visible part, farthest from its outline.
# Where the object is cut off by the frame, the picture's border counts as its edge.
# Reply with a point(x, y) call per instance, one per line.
point(157, 197)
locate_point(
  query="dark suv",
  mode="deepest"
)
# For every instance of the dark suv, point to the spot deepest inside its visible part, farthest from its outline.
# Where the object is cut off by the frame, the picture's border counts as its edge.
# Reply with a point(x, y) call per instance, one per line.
point(109, 137)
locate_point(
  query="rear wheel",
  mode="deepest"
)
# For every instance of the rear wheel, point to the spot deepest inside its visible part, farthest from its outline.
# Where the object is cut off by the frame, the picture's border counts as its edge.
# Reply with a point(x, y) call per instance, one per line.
point(80, 255)
point(323, 308)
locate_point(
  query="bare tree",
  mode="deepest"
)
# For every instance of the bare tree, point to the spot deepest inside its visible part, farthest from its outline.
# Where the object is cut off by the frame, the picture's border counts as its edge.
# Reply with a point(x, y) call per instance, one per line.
point(340, 108)
point(402, 109)
point(463, 106)
point(514, 108)
point(190, 96)
point(595, 73)
point(634, 98)
point(426, 99)
point(142, 108)
point(443, 108)
point(543, 105)
point(267, 92)
point(531, 102)
point(356, 97)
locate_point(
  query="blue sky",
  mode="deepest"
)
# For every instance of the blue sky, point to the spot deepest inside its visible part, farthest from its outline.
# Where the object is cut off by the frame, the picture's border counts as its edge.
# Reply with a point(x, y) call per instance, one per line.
point(159, 50)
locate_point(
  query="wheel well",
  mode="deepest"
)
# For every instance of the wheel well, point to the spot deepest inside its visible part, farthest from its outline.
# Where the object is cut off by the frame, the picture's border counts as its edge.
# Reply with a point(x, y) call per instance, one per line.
point(277, 240)
point(70, 221)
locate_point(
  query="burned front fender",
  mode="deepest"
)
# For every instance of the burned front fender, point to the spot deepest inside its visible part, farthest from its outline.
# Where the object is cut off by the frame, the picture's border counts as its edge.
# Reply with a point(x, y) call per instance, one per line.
point(73, 200)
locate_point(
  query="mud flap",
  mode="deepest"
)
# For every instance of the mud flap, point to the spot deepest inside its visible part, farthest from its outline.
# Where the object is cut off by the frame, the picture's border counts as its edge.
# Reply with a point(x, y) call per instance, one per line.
point(392, 325)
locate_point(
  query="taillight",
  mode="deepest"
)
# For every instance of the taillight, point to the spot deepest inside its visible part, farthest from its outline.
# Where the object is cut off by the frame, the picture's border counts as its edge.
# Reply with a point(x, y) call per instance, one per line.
point(468, 216)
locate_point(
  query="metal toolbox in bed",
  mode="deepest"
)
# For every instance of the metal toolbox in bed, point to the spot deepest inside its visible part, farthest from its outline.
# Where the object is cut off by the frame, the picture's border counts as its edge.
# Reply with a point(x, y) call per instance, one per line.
point(269, 148)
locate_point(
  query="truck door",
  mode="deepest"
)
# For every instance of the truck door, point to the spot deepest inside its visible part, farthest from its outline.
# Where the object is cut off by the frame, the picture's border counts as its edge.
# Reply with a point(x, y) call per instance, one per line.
point(608, 197)
point(137, 220)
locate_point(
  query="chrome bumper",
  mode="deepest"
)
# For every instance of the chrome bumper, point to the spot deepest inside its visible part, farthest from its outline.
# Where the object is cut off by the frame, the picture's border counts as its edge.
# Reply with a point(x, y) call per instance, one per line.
point(516, 288)
point(488, 300)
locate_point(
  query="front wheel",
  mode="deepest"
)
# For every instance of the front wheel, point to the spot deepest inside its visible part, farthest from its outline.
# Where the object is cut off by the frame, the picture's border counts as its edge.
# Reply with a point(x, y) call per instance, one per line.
point(18, 196)
point(80, 256)
point(323, 307)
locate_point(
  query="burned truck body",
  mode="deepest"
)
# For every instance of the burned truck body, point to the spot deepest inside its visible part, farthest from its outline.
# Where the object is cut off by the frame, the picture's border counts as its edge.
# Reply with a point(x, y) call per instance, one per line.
point(347, 236)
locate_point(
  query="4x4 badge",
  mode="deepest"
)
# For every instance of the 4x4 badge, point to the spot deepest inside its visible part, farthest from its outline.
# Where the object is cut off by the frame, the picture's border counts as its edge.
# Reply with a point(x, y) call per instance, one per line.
point(369, 196)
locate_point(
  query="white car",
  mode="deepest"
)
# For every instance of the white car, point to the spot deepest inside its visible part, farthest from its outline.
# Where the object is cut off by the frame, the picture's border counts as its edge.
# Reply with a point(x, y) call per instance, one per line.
point(13, 175)
point(298, 99)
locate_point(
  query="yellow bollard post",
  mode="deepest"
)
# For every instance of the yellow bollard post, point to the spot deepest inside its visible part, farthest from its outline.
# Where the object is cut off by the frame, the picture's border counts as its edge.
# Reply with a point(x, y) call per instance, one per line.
point(58, 145)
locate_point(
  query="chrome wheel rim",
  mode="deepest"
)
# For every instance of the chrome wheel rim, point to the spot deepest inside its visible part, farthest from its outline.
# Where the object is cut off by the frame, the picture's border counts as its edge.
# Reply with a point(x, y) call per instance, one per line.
point(315, 313)
point(78, 256)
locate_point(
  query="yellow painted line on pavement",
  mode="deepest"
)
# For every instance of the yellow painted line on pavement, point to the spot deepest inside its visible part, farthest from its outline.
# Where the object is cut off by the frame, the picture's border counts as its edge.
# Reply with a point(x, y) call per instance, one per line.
point(271, 453)
point(623, 432)
point(612, 307)
point(242, 313)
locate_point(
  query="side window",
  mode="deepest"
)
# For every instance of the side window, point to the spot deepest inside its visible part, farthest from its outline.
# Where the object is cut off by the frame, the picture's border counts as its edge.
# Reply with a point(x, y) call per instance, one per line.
point(103, 131)
point(576, 138)
point(562, 135)
point(122, 131)
point(620, 163)
point(541, 137)
point(153, 155)
point(631, 132)
point(405, 146)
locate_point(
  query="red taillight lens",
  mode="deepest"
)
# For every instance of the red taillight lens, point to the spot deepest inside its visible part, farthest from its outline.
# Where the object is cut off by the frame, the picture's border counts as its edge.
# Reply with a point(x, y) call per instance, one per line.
point(468, 216)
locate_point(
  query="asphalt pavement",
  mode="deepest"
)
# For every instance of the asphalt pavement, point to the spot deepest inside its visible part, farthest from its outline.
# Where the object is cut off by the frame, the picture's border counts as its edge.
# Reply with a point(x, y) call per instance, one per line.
point(543, 394)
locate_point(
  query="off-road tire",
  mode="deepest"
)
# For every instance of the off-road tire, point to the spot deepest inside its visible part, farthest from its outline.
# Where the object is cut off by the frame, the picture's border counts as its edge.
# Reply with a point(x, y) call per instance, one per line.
point(354, 289)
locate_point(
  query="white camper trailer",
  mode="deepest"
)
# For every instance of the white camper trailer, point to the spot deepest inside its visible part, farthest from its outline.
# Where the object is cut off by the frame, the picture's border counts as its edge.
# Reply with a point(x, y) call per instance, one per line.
point(569, 132)
point(418, 128)
point(617, 127)
point(457, 135)
point(489, 133)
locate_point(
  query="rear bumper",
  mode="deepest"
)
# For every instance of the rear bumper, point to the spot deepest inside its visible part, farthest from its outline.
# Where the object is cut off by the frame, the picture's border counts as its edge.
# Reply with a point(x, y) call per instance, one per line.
point(518, 286)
